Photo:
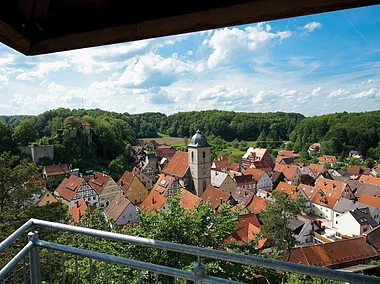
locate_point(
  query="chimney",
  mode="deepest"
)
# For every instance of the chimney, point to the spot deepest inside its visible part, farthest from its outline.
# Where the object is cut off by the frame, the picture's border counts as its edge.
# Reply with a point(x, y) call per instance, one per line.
point(220, 200)
point(94, 176)
point(153, 201)
point(122, 183)
point(334, 185)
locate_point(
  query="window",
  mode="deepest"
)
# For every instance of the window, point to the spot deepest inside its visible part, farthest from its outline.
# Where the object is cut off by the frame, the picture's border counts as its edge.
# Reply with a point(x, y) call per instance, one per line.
point(47, 202)
point(192, 156)
point(94, 198)
point(336, 222)
point(130, 215)
point(204, 185)
point(204, 155)
point(107, 203)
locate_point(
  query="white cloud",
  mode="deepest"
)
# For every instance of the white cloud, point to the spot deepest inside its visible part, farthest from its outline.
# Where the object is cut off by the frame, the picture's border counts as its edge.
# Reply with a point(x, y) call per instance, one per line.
point(362, 83)
point(230, 43)
point(371, 93)
point(312, 26)
point(42, 69)
point(340, 93)
point(316, 92)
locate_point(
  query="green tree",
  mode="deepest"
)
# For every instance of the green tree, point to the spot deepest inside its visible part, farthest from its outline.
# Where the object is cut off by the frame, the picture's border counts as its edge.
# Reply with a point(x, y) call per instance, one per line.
point(17, 181)
point(275, 222)
point(118, 166)
point(369, 162)
point(25, 132)
point(6, 139)
point(261, 140)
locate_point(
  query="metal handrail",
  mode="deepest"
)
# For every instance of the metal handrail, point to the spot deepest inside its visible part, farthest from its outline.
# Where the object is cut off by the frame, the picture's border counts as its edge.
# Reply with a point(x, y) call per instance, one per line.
point(192, 250)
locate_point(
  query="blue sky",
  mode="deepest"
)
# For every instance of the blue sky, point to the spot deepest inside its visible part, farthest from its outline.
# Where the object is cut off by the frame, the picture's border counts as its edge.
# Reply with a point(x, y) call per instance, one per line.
point(313, 65)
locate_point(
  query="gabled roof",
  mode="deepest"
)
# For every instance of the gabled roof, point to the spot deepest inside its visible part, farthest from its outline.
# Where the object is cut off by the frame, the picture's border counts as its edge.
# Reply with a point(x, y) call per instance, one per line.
point(363, 217)
point(258, 204)
point(360, 188)
point(78, 210)
point(309, 190)
point(287, 160)
point(54, 170)
point(291, 190)
point(259, 152)
point(217, 178)
point(331, 187)
point(154, 201)
point(126, 180)
point(248, 226)
point(165, 151)
point(370, 180)
point(343, 205)
point(220, 164)
point(163, 183)
point(256, 173)
point(117, 206)
point(69, 186)
point(234, 167)
point(373, 237)
point(358, 170)
point(99, 181)
point(370, 200)
point(327, 159)
point(214, 196)
point(178, 165)
point(243, 197)
point(188, 200)
point(287, 170)
point(321, 198)
point(334, 253)
point(316, 169)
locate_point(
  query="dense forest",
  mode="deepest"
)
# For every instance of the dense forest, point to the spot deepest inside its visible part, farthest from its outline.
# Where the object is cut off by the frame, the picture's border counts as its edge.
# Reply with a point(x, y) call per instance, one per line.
point(113, 134)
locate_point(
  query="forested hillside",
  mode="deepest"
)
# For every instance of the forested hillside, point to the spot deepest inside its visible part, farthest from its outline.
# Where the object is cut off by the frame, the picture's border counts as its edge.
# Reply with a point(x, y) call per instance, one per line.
point(339, 133)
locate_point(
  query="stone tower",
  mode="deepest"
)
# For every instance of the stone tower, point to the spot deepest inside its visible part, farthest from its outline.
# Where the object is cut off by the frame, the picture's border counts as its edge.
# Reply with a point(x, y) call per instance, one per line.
point(199, 152)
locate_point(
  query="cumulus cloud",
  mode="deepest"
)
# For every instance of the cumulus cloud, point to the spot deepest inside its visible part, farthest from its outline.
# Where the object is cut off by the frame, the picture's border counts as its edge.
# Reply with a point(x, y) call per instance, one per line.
point(362, 83)
point(371, 93)
point(228, 43)
point(312, 26)
point(340, 93)
point(316, 92)
point(42, 69)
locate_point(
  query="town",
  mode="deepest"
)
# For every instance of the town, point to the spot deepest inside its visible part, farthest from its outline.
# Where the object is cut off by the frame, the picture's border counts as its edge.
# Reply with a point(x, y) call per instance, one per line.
point(340, 209)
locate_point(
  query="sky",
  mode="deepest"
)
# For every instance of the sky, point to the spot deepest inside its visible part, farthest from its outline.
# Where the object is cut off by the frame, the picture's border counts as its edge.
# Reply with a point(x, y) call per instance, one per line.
point(313, 65)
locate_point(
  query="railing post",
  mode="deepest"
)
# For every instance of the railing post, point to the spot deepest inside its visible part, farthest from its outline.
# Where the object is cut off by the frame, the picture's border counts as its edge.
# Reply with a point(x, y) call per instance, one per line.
point(34, 259)
point(199, 272)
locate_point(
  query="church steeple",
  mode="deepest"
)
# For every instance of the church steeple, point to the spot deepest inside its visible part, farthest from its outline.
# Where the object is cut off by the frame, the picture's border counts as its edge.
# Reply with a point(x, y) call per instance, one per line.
point(199, 161)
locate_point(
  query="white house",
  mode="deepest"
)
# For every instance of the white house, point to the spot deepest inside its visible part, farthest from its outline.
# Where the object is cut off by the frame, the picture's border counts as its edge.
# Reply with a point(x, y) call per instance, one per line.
point(121, 210)
point(302, 228)
point(322, 205)
point(355, 223)
point(261, 178)
point(344, 205)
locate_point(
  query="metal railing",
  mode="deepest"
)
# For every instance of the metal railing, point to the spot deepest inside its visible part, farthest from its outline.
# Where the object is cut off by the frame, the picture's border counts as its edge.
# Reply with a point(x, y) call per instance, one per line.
point(198, 275)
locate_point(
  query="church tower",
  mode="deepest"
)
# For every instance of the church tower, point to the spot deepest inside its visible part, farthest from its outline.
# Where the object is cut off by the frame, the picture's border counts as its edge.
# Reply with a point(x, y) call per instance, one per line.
point(199, 158)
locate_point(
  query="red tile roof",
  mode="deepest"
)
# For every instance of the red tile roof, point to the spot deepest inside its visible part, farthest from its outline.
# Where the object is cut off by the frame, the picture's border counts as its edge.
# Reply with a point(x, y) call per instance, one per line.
point(54, 170)
point(377, 167)
point(316, 168)
point(234, 167)
point(220, 164)
point(117, 206)
point(309, 190)
point(165, 151)
point(214, 196)
point(288, 153)
point(291, 190)
point(154, 201)
point(370, 200)
point(78, 210)
point(370, 180)
point(327, 159)
point(287, 160)
point(324, 200)
point(189, 200)
point(336, 188)
point(178, 165)
point(258, 204)
point(126, 180)
point(373, 237)
point(85, 123)
point(353, 170)
point(163, 183)
point(335, 253)
point(256, 173)
point(287, 170)
point(69, 186)
point(243, 197)
point(99, 181)
point(244, 180)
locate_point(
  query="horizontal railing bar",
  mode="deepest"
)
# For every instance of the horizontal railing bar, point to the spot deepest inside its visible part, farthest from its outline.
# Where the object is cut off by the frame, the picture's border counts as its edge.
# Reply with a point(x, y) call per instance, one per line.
point(160, 269)
point(217, 254)
point(169, 271)
point(13, 262)
point(15, 235)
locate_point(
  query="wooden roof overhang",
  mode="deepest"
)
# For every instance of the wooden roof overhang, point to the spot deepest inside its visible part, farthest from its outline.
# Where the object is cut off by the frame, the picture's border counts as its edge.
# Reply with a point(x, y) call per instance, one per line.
point(44, 26)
